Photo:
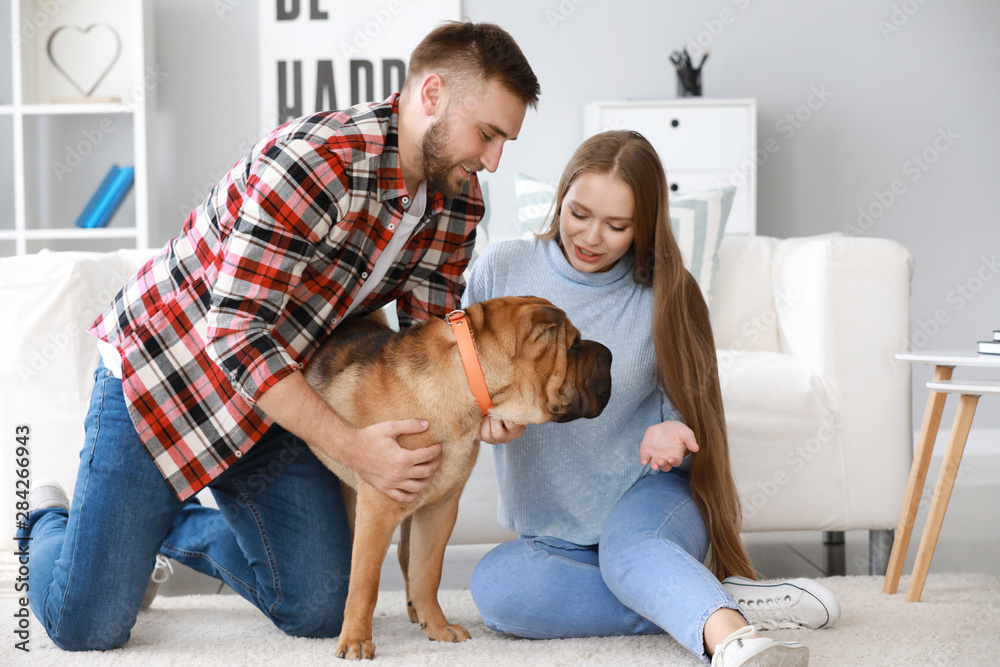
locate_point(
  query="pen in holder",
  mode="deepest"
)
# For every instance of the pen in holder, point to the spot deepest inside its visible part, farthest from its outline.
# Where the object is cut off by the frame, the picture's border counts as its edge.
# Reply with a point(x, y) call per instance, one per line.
point(688, 76)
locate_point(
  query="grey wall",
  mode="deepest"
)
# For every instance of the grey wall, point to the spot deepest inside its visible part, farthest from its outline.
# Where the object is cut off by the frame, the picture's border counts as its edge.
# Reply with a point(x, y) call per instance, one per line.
point(908, 88)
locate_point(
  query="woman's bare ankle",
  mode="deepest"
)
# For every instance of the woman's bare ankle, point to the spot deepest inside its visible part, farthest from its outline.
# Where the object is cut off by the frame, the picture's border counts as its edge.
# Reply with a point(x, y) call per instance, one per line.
point(722, 623)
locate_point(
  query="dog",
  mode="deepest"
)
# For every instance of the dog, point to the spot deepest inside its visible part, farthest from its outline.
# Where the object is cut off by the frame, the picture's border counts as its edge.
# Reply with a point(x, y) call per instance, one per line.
point(537, 369)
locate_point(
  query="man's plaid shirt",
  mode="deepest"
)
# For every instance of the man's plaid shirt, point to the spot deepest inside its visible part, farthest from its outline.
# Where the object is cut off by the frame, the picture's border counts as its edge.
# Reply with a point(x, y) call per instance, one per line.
point(264, 269)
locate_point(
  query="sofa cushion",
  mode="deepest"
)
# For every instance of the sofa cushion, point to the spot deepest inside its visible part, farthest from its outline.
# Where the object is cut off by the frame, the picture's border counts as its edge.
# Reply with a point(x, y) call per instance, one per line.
point(53, 298)
point(785, 444)
point(745, 309)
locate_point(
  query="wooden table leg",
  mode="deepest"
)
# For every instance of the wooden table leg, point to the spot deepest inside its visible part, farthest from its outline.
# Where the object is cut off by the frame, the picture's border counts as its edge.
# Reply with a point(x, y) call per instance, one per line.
point(942, 494)
point(915, 486)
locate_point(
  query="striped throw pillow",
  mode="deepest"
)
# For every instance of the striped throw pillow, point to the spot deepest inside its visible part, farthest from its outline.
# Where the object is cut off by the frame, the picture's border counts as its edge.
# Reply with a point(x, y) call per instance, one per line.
point(534, 203)
point(483, 228)
point(698, 220)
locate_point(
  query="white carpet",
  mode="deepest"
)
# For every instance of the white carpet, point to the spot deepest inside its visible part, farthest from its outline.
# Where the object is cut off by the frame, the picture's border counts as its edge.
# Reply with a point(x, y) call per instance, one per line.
point(956, 623)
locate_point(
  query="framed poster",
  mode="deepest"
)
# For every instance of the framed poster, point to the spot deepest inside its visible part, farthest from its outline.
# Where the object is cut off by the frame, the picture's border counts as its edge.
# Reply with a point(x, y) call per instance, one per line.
point(331, 54)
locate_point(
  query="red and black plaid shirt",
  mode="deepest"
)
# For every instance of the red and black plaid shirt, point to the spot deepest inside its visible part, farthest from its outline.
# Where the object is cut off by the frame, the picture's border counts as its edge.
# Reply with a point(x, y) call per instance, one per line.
point(265, 269)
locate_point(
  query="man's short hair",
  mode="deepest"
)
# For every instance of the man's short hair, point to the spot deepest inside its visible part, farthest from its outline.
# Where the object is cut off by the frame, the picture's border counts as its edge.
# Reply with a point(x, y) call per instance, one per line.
point(466, 54)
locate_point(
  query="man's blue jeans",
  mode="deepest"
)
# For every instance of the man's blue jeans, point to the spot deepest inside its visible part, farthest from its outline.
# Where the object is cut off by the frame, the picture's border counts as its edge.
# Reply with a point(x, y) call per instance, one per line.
point(280, 538)
point(645, 576)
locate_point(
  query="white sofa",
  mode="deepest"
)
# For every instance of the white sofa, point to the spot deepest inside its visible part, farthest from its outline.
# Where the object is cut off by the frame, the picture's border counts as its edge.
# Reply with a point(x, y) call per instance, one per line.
point(817, 411)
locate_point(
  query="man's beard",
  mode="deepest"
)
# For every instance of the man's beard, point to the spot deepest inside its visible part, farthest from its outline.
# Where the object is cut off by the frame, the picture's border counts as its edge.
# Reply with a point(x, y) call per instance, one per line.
point(437, 167)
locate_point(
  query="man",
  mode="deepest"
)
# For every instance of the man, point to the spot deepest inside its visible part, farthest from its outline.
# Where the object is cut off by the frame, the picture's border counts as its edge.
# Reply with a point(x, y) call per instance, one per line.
point(333, 214)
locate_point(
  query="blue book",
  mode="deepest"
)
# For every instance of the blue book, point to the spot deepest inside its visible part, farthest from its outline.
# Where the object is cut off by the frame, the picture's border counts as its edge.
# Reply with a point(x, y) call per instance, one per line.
point(88, 210)
point(108, 204)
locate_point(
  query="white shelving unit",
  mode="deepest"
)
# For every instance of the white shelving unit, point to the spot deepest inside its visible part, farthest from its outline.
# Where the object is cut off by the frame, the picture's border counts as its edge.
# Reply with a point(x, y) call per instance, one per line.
point(703, 143)
point(58, 152)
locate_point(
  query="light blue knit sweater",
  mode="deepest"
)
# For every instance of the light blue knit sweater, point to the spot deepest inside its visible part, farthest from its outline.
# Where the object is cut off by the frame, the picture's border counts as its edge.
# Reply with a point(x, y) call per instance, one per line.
point(562, 480)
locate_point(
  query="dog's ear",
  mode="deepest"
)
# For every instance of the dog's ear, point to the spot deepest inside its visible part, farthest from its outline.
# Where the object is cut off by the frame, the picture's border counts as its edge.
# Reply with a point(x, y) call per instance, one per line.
point(545, 318)
point(547, 315)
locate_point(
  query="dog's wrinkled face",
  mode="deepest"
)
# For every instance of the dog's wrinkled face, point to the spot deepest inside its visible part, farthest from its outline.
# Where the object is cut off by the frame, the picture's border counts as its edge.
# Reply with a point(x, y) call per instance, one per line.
point(537, 367)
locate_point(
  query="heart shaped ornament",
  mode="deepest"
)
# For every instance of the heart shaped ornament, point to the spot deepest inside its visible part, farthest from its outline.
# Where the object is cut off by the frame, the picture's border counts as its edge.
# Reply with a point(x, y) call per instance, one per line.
point(84, 56)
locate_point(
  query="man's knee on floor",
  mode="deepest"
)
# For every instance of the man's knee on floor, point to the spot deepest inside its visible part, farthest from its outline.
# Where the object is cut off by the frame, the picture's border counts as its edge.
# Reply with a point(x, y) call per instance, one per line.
point(104, 638)
point(316, 623)
point(312, 606)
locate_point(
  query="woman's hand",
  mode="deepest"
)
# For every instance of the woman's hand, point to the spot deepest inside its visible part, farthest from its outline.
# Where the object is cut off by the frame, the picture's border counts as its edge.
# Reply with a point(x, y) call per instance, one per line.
point(497, 432)
point(664, 445)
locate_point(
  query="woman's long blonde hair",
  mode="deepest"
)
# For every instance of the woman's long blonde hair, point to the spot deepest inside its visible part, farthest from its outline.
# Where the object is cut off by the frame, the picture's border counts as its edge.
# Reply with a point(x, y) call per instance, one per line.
point(682, 332)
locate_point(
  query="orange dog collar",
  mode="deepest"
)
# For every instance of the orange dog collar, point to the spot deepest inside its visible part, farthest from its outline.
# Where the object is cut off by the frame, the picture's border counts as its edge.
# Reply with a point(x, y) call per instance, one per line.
point(467, 350)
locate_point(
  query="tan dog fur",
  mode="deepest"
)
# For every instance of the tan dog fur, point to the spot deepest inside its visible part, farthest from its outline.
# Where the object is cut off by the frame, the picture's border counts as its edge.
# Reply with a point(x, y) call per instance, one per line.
point(537, 370)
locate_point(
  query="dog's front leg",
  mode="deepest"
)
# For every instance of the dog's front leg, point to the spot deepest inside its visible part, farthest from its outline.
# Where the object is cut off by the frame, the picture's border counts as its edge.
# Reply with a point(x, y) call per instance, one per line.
point(376, 517)
point(431, 526)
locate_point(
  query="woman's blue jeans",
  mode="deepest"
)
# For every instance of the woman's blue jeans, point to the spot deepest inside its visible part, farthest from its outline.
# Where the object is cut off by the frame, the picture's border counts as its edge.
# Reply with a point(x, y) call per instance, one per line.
point(645, 576)
point(280, 538)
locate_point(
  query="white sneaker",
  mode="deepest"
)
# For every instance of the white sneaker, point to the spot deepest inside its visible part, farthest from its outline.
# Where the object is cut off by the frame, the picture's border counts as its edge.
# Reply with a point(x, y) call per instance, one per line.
point(740, 648)
point(785, 603)
point(161, 572)
point(47, 493)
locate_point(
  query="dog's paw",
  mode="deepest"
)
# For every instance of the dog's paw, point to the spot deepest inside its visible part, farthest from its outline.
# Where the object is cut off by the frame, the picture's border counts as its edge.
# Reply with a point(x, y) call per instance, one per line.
point(356, 649)
point(449, 632)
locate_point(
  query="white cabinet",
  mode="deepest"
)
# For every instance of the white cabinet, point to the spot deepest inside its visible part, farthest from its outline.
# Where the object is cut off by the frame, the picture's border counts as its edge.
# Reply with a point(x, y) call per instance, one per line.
point(702, 143)
point(56, 145)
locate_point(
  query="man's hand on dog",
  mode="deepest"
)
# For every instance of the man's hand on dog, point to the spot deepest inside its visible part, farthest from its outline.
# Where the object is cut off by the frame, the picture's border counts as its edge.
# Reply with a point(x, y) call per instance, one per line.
point(402, 474)
point(664, 445)
point(497, 432)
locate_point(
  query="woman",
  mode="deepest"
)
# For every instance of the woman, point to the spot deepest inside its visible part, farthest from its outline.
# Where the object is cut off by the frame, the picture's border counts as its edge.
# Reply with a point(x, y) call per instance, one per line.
point(617, 514)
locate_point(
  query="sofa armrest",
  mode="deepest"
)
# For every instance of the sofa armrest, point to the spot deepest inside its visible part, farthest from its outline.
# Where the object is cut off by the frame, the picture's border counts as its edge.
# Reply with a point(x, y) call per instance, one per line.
point(847, 315)
point(46, 371)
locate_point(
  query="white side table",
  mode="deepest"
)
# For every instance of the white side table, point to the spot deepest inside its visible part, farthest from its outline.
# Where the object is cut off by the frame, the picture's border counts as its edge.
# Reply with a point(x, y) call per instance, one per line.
point(944, 363)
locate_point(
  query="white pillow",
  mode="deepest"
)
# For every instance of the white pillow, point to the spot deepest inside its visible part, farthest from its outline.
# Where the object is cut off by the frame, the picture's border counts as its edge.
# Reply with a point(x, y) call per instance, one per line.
point(697, 219)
